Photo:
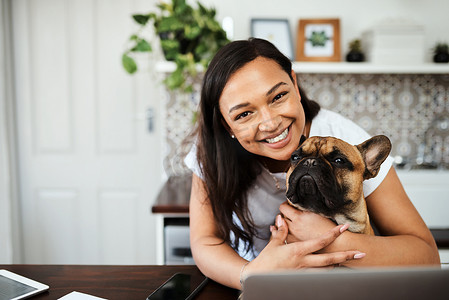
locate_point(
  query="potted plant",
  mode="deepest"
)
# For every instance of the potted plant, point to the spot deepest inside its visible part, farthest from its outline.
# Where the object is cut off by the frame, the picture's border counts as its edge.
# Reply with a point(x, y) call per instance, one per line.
point(441, 53)
point(355, 53)
point(188, 36)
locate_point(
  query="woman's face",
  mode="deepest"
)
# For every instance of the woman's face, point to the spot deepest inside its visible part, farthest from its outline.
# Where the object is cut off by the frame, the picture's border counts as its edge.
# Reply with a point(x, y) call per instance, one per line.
point(262, 108)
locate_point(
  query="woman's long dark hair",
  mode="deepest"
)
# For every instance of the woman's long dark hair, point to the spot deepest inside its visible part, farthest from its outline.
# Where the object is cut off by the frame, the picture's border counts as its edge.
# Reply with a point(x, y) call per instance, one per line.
point(229, 170)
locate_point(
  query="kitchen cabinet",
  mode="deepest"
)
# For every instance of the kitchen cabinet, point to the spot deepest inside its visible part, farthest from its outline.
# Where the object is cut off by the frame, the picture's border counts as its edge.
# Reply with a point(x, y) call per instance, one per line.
point(429, 192)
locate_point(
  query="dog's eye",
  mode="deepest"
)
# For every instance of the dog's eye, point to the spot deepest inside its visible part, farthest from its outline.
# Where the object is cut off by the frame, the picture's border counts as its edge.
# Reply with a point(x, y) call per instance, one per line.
point(339, 160)
point(294, 158)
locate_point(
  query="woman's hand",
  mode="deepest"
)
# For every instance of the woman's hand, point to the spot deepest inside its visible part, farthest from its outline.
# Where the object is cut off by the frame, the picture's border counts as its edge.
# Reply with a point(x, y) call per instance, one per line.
point(304, 225)
point(279, 255)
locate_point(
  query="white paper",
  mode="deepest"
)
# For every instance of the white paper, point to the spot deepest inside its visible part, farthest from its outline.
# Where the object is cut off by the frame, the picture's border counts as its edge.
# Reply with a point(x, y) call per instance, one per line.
point(80, 296)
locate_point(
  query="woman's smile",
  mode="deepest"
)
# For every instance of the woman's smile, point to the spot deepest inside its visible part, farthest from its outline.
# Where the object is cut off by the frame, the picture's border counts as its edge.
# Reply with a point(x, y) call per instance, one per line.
point(280, 140)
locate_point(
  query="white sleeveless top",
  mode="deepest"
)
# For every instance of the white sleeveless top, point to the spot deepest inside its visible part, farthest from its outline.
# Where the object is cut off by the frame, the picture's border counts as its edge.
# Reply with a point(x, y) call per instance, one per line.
point(264, 198)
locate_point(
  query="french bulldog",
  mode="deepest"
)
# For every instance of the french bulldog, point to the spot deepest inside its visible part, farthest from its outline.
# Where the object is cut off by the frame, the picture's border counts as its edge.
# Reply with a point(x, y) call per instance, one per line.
point(326, 177)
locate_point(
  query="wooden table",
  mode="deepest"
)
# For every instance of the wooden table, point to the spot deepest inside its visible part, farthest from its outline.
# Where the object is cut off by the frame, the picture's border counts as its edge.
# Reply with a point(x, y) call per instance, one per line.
point(112, 282)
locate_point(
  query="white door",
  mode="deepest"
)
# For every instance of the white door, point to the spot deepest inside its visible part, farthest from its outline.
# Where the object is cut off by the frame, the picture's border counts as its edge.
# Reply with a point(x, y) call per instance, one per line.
point(89, 166)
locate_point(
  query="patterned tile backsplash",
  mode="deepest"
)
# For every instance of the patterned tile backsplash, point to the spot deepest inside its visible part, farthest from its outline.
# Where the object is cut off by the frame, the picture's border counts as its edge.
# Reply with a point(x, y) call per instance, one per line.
point(412, 110)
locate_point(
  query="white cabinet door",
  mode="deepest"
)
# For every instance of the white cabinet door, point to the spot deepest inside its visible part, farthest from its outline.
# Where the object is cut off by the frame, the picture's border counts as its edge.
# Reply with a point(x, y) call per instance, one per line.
point(429, 192)
point(89, 167)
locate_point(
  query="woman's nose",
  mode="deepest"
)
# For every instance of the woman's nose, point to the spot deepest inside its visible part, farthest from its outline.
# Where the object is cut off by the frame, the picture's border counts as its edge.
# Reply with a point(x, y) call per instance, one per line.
point(269, 122)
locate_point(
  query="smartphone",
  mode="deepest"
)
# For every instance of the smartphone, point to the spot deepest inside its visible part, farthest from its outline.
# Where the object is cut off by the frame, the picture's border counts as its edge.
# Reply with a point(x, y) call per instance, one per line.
point(179, 287)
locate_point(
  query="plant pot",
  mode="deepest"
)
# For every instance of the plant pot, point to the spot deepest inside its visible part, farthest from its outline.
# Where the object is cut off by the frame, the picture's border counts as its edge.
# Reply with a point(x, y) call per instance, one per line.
point(441, 58)
point(355, 56)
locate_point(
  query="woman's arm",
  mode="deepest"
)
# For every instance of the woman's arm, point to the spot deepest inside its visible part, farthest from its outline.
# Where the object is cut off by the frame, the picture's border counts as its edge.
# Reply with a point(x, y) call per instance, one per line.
point(218, 261)
point(405, 238)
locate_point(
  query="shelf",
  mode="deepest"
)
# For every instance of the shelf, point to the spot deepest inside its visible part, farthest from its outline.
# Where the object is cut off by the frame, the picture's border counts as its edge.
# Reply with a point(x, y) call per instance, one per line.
point(344, 68)
point(369, 68)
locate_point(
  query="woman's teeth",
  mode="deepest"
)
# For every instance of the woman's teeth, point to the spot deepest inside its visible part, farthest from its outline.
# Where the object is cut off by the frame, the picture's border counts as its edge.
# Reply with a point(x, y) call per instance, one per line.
point(280, 137)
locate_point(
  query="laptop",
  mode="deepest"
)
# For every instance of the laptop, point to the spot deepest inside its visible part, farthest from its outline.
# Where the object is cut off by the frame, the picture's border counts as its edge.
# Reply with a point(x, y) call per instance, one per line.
point(347, 284)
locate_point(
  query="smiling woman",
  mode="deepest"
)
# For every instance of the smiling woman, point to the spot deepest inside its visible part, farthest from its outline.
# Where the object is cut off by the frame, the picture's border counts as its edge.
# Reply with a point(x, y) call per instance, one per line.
point(253, 116)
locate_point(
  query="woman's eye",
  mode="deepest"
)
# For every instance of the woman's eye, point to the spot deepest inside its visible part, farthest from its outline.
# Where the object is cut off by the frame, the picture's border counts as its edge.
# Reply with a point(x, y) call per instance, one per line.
point(279, 96)
point(242, 115)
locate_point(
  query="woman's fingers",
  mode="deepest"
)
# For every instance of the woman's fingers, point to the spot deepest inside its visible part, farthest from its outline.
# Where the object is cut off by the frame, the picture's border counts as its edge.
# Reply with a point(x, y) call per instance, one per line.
point(277, 255)
point(313, 245)
point(331, 259)
point(306, 250)
point(288, 211)
point(280, 231)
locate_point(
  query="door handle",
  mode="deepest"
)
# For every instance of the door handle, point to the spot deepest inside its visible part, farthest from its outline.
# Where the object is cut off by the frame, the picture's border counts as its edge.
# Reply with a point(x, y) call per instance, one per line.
point(150, 116)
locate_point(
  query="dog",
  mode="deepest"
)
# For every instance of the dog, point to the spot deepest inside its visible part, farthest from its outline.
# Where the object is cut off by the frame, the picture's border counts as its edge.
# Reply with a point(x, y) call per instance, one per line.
point(326, 177)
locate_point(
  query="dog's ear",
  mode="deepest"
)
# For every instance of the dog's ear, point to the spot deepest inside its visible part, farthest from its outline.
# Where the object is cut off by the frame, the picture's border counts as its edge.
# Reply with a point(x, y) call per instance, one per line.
point(374, 152)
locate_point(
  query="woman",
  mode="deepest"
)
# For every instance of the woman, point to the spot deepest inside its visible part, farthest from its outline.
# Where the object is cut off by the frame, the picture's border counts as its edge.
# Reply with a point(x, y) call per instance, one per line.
point(252, 117)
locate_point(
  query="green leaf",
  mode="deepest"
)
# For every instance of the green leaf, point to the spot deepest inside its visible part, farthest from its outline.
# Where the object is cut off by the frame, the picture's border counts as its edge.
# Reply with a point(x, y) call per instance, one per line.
point(188, 89)
point(129, 64)
point(195, 117)
point(213, 25)
point(191, 32)
point(142, 46)
point(165, 6)
point(201, 8)
point(174, 80)
point(183, 10)
point(170, 45)
point(201, 49)
point(169, 24)
point(141, 19)
point(179, 5)
point(171, 48)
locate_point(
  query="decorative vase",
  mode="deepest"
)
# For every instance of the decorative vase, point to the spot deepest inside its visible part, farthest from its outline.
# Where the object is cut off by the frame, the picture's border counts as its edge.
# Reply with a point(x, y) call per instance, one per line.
point(441, 57)
point(355, 56)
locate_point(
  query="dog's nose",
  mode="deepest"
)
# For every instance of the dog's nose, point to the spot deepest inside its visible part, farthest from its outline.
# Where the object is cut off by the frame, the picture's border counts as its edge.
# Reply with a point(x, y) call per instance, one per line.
point(310, 162)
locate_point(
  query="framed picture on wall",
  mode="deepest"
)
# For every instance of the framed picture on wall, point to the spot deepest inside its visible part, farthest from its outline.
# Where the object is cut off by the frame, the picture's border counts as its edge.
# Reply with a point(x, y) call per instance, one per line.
point(318, 40)
point(277, 31)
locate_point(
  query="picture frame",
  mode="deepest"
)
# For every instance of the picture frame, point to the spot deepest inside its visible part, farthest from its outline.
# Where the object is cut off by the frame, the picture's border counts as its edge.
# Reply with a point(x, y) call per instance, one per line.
point(277, 31)
point(318, 40)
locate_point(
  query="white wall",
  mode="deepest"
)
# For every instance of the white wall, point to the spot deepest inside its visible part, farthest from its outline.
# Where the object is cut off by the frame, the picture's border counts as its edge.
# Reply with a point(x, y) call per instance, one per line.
point(355, 15)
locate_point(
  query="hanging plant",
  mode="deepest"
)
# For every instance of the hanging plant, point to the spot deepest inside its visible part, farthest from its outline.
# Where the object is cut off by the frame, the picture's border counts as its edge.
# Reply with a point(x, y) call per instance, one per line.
point(189, 37)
